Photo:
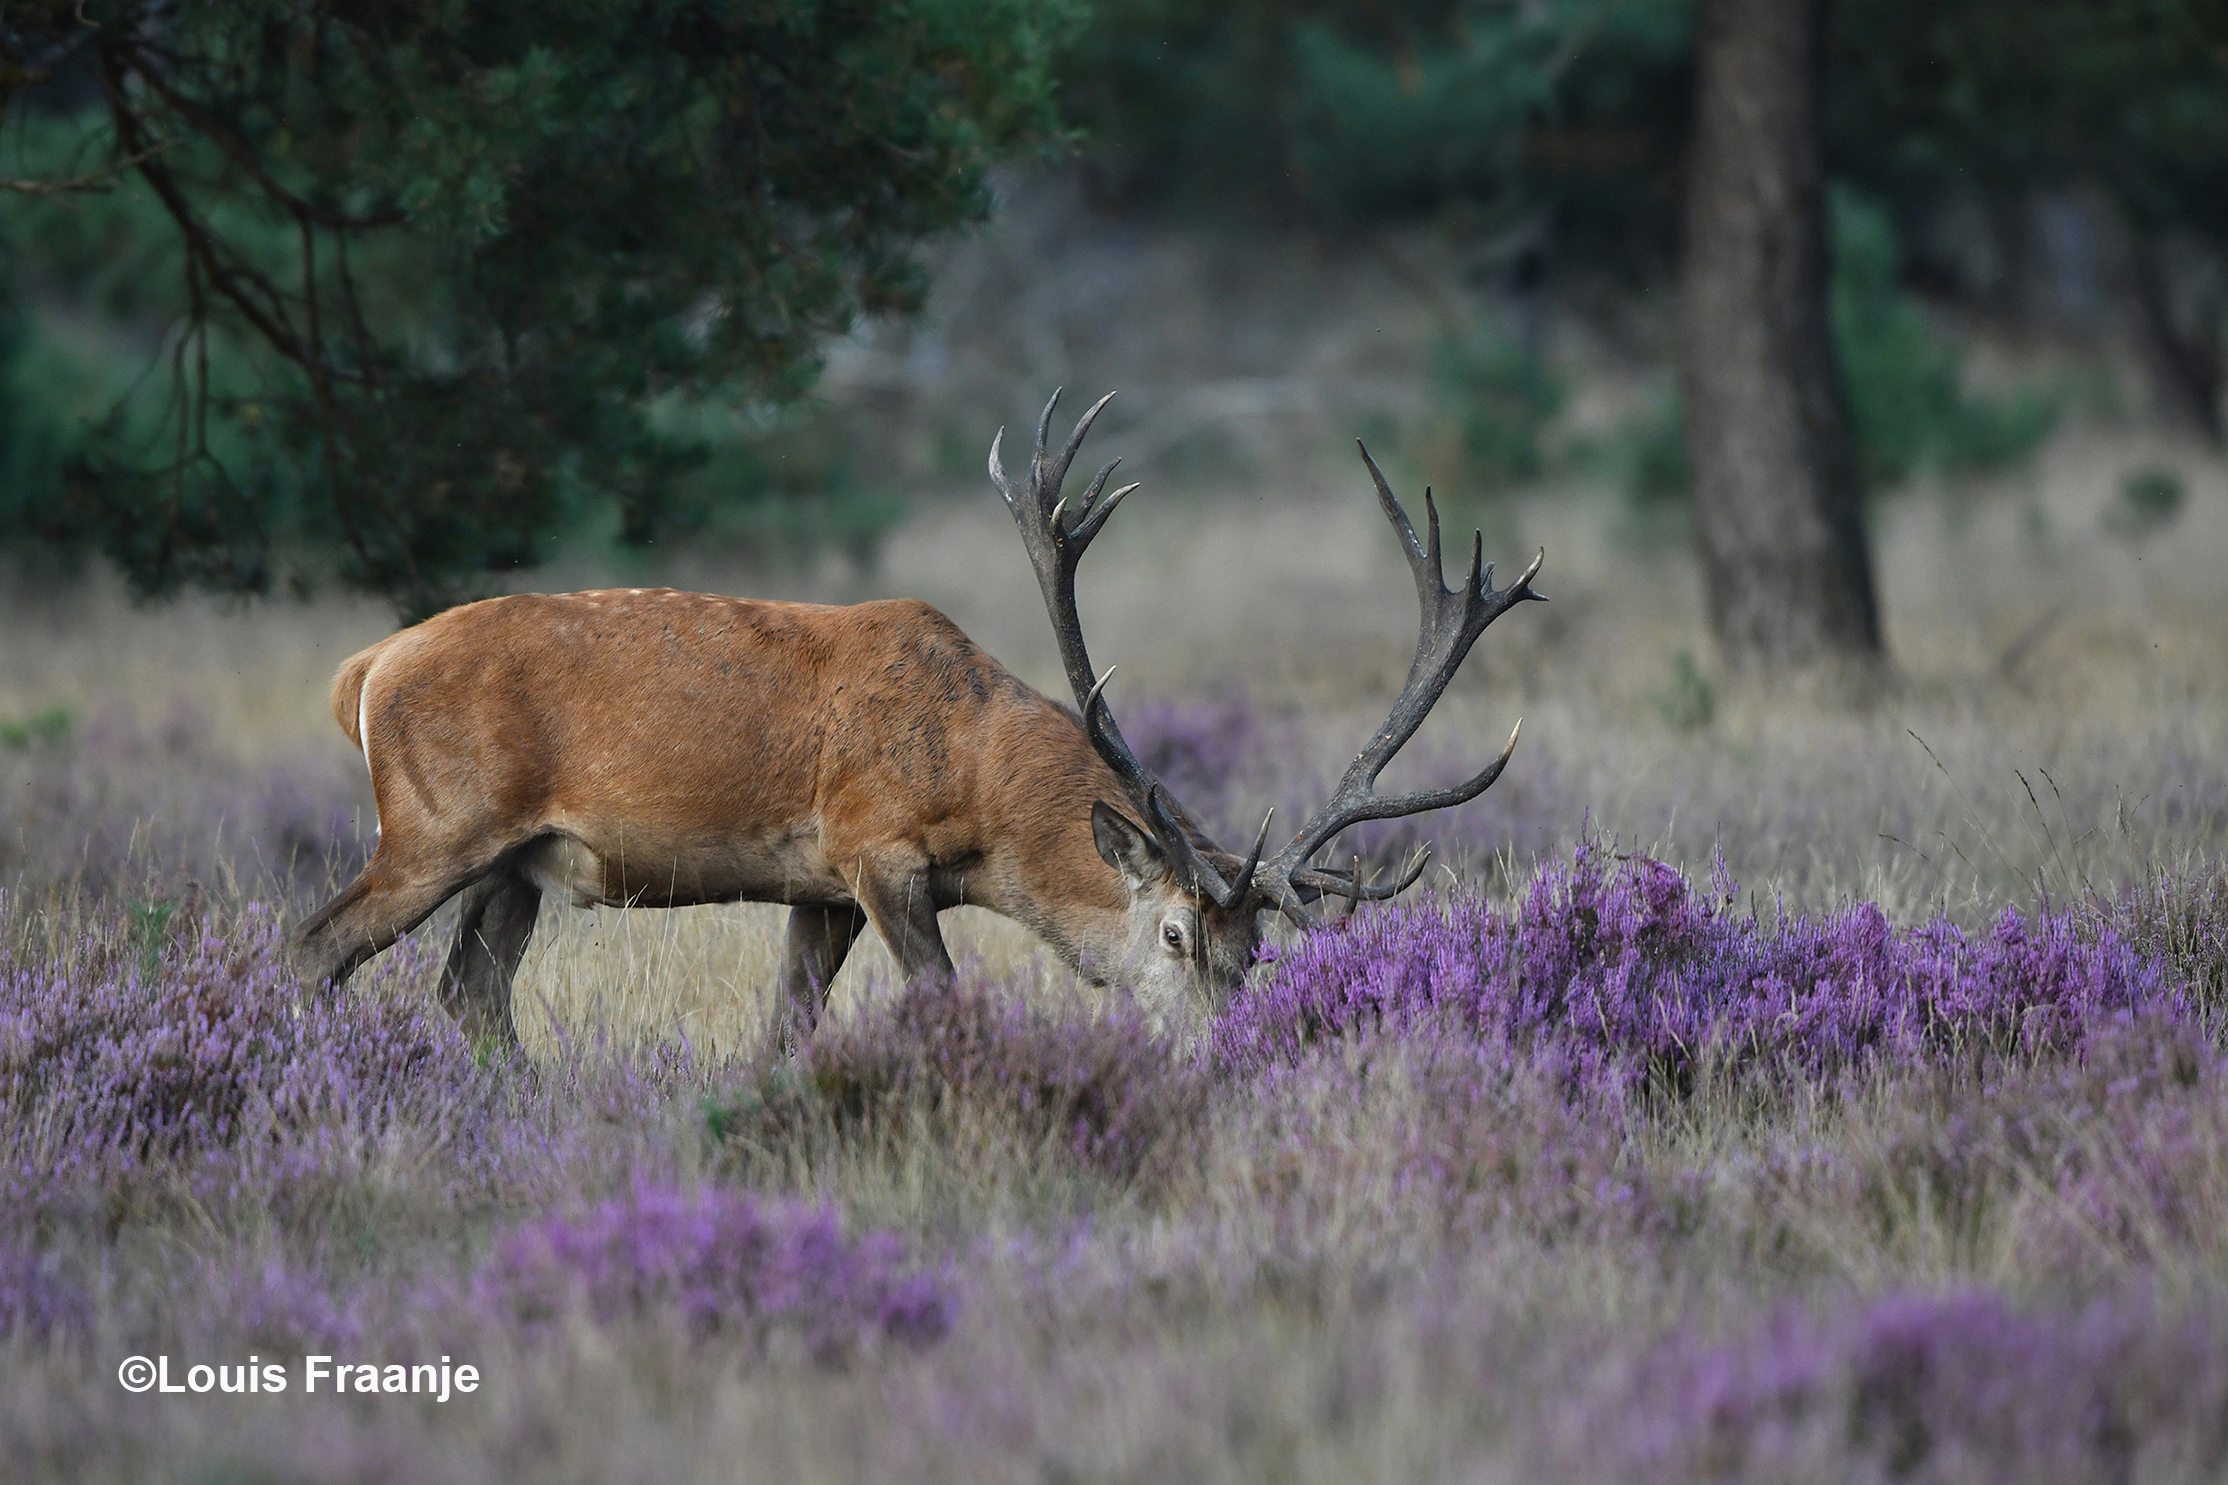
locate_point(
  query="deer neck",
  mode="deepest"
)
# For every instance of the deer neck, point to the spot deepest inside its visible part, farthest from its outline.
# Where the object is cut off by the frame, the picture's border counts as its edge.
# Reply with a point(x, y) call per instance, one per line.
point(1050, 877)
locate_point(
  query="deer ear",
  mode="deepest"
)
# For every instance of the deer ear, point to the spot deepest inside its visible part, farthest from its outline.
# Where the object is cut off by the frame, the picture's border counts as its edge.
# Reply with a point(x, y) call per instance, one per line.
point(1126, 847)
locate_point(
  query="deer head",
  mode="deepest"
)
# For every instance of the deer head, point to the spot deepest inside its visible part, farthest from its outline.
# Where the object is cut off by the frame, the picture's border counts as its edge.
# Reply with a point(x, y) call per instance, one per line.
point(1194, 915)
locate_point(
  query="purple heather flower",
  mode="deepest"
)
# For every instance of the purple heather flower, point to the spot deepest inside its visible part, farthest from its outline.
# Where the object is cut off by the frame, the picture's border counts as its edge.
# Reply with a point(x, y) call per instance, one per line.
point(1620, 963)
point(719, 1263)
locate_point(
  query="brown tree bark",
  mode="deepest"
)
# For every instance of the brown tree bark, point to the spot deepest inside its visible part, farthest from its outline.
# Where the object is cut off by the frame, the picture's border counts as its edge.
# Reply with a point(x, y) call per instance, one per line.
point(1777, 498)
point(2190, 362)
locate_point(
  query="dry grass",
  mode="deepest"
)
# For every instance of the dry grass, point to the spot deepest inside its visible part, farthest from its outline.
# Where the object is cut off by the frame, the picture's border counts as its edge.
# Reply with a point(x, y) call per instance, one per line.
point(707, 974)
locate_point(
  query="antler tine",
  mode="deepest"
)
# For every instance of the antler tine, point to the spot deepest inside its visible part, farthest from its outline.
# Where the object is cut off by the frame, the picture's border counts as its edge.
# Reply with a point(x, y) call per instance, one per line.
point(1092, 700)
point(1393, 513)
point(1047, 471)
point(1054, 550)
point(1449, 623)
point(1242, 883)
point(1524, 583)
point(1090, 493)
point(1059, 471)
point(1044, 423)
point(1408, 877)
point(1097, 517)
point(1335, 884)
point(998, 467)
point(1431, 527)
point(1106, 739)
point(1192, 868)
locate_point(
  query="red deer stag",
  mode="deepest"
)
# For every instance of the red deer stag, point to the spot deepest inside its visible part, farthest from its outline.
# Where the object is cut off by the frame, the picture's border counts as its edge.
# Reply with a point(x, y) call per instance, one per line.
point(862, 764)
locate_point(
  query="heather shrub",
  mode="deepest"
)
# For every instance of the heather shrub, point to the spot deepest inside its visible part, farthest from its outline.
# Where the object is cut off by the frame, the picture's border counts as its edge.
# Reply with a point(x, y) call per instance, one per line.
point(124, 797)
point(1423, 1138)
point(2181, 919)
point(1628, 974)
point(2138, 1140)
point(716, 1263)
point(278, 1307)
point(1101, 1088)
point(1924, 1387)
point(2052, 1173)
point(35, 1300)
point(135, 1061)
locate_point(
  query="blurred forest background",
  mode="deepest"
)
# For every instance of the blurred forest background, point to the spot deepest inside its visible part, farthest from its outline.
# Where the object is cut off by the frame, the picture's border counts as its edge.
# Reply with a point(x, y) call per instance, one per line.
point(410, 300)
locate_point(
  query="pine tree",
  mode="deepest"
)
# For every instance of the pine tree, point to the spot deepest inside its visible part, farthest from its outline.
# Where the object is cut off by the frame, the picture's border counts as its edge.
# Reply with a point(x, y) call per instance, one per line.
point(427, 269)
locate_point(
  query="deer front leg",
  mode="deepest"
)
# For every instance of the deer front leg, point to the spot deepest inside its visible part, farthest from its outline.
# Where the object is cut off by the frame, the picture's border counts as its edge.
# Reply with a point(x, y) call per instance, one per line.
point(903, 911)
point(813, 950)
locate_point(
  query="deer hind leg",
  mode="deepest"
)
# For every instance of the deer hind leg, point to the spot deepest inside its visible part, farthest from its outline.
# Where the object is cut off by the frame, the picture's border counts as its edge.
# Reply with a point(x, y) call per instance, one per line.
point(497, 918)
point(812, 951)
point(392, 895)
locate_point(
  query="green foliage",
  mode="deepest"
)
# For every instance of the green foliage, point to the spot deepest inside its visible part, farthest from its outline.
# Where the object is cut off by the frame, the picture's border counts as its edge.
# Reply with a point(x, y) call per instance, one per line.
point(1350, 111)
point(45, 729)
point(149, 932)
point(2150, 500)
point(1905, 393)
point(407, 284)
point(1505, 400)
point(1375, 133)
point(1656, 472)
point(2130, 95)
point(776, 479)
point(1689, 703)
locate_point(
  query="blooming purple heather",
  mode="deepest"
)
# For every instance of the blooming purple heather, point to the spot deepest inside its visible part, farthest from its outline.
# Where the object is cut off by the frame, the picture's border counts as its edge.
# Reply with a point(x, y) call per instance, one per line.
point(34, 1299)
point(131, 1062)
point(1926, 1386)
point(717, 1262)
point(1623, 966)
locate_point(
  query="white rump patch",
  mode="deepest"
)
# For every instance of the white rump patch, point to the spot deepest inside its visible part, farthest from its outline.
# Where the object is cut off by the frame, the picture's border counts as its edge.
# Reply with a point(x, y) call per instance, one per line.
point(363, 740)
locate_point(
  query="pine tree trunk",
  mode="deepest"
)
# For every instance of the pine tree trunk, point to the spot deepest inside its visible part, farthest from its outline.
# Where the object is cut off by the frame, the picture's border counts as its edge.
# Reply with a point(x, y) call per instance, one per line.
point(1777, 498)
point(2189, 363)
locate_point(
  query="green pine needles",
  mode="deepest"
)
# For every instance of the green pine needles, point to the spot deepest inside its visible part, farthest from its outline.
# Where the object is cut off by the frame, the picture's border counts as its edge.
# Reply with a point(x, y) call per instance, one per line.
point(410, 280)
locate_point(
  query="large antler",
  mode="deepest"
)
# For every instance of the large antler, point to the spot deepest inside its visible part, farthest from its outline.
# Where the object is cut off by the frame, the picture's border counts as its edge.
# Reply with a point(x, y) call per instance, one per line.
point(1056, 539)
point(1451, 622)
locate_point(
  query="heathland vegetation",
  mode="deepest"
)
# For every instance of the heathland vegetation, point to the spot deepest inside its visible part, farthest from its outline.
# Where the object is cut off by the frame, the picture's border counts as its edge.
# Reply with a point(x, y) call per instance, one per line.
point(1763, 1092)
point(1777, 1082)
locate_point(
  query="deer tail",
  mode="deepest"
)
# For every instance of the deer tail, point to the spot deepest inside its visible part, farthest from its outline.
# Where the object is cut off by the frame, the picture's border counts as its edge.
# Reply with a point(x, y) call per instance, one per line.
point(348, 693)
